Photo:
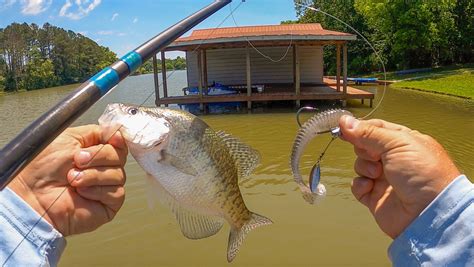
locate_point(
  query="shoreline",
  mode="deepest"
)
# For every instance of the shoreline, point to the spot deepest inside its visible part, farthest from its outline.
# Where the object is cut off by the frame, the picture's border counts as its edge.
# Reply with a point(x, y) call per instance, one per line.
point(435, 92)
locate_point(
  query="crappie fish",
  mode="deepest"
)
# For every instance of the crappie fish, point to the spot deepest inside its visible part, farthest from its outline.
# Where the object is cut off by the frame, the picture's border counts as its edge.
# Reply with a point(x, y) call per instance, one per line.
point(192, 169)
point(320, 123)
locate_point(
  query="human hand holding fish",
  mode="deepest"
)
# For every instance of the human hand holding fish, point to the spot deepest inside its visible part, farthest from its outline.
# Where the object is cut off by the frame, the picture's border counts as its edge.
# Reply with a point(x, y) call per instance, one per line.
point(77, 181)
point(401, 170)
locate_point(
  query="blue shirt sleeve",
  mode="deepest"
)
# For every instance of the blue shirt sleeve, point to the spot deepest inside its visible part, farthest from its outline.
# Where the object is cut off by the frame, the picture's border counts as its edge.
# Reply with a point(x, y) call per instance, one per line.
point(26, 239)
point(443, 234)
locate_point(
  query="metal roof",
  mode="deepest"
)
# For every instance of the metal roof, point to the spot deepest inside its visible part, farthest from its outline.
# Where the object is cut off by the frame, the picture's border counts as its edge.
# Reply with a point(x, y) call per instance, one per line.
point(284, 32)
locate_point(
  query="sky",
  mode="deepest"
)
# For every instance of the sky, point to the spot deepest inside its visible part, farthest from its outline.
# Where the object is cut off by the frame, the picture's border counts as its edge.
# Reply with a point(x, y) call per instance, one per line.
point(124, 25)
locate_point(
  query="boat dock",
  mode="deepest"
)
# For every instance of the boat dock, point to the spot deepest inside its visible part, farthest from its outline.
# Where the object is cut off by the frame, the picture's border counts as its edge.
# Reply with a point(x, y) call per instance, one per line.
point(261, 64)
point(276, 93)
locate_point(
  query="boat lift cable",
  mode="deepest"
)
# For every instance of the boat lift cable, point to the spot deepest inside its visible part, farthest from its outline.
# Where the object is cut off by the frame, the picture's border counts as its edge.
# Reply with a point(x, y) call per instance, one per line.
point(257, 50)
point(40, 133)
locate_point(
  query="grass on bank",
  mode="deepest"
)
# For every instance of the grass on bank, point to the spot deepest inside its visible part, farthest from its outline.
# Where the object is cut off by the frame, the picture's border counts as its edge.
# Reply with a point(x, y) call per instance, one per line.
point(428, 72)
point(458, 82)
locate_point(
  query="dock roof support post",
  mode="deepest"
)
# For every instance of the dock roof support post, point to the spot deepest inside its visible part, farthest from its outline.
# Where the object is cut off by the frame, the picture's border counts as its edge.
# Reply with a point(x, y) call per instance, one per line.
point(344, 55)
point(249, 79)
point(338, 67)
point(200, 79)
point(297, 75)
point(204, 69)
point(163, 73)
point(156, 80)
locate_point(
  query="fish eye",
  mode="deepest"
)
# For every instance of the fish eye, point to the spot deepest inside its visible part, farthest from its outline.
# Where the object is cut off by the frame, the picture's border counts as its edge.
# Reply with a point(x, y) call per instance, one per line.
point(133, 111)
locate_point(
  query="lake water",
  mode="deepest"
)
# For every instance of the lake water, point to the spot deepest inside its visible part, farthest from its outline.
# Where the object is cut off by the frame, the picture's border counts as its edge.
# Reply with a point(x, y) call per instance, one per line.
point(337, 232)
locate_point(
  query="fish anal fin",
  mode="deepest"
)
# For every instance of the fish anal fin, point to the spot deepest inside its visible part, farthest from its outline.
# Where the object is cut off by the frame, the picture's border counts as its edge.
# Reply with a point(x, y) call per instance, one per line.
point(180, 164)
point(196, 226)
point(193, 225)
point(245, 156)
point(237, 235)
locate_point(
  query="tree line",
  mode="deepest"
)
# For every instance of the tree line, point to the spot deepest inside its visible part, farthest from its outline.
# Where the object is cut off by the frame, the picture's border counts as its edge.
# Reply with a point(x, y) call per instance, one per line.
point(407, 34)
point(179, 63)
point(34, 57)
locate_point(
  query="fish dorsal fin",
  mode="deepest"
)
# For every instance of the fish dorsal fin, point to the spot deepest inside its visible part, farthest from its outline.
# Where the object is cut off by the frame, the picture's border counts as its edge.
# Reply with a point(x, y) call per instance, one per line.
point(246, 157)
point(193, 225)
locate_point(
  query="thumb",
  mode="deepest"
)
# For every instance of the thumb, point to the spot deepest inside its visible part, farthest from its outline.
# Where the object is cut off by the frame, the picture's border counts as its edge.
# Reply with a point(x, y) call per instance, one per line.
point(371, 137)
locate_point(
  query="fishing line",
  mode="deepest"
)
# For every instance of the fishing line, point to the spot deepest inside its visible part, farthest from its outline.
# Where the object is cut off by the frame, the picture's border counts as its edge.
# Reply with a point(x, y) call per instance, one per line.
point(365, 39)
point(100, 149)
point(256, 49)
point(316, 170)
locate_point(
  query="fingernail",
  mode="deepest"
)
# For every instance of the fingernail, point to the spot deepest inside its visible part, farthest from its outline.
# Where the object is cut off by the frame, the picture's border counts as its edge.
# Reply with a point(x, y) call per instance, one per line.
point(76, 175)
point(351, 122)
point(84, 157)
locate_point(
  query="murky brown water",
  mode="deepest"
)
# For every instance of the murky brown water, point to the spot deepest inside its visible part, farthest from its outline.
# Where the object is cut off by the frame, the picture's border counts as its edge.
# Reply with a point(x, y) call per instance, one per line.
point(337, 232)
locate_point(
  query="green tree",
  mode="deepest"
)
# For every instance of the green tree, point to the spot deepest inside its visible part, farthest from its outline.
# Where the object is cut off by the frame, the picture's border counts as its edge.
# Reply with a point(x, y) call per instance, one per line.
point(361, 58)
point(29, 50)
point(464, 22)
point(40, 74)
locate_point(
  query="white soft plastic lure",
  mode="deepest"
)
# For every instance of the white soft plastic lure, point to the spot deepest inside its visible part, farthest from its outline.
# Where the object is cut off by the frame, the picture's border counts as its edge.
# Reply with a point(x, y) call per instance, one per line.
point(323, 122)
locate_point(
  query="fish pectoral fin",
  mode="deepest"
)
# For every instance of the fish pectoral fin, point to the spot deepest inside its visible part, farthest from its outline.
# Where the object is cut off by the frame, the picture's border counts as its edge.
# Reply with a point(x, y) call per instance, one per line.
point(237, 235)
point(193, 225)
point(246, 157)
point(196, 226)
point(180, 164)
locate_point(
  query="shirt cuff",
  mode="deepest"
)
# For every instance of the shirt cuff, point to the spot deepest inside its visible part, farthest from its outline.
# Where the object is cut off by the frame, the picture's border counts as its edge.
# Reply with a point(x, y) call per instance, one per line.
point(423, 232)
point(30, 228)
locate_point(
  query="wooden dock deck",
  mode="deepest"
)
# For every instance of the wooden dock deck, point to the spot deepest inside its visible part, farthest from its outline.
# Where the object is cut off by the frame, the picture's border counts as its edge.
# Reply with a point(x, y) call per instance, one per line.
point(276, 93)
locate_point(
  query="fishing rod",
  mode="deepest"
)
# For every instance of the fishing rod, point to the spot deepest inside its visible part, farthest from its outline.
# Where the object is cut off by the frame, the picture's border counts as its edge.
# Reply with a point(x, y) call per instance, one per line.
point(33, 139)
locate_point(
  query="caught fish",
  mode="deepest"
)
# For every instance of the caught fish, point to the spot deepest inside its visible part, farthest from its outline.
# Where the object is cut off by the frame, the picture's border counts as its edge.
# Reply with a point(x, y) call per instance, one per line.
point(323, 122)
point(192, 169)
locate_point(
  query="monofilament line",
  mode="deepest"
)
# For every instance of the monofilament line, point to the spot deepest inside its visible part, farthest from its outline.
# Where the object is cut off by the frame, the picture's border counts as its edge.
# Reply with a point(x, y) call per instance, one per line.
point(365, 39)
point(256, 49)
point(100, 149)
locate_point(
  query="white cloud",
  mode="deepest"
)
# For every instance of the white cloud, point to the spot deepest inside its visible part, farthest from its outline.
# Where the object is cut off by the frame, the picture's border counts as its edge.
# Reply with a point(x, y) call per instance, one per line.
point(83, 8)
point(34, 7)
point(121, 34)
point(114, 16)
point(135, 20)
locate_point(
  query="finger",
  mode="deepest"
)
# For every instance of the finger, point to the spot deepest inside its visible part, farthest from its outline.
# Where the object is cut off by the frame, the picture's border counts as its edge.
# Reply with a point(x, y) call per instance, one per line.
point(367, 155)
point(100, 155)
point(117, 141)
point(367, 136)
point(388, 125)
point(369, 169)
point(88, 135)
point(96, 176)
point(111, 196)
point(361, 188)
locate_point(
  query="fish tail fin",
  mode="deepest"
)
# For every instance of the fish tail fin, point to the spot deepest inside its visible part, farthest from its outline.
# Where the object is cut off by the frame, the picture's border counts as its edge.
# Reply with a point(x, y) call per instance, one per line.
point(237, 235)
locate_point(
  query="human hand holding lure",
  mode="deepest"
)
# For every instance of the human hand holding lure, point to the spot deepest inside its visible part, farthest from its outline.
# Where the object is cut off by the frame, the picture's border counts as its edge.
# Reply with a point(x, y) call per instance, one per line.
point(401, 170)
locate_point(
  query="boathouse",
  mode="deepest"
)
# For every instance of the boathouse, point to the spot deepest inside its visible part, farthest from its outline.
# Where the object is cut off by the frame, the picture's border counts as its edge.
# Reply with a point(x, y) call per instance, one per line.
point(265, 63)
